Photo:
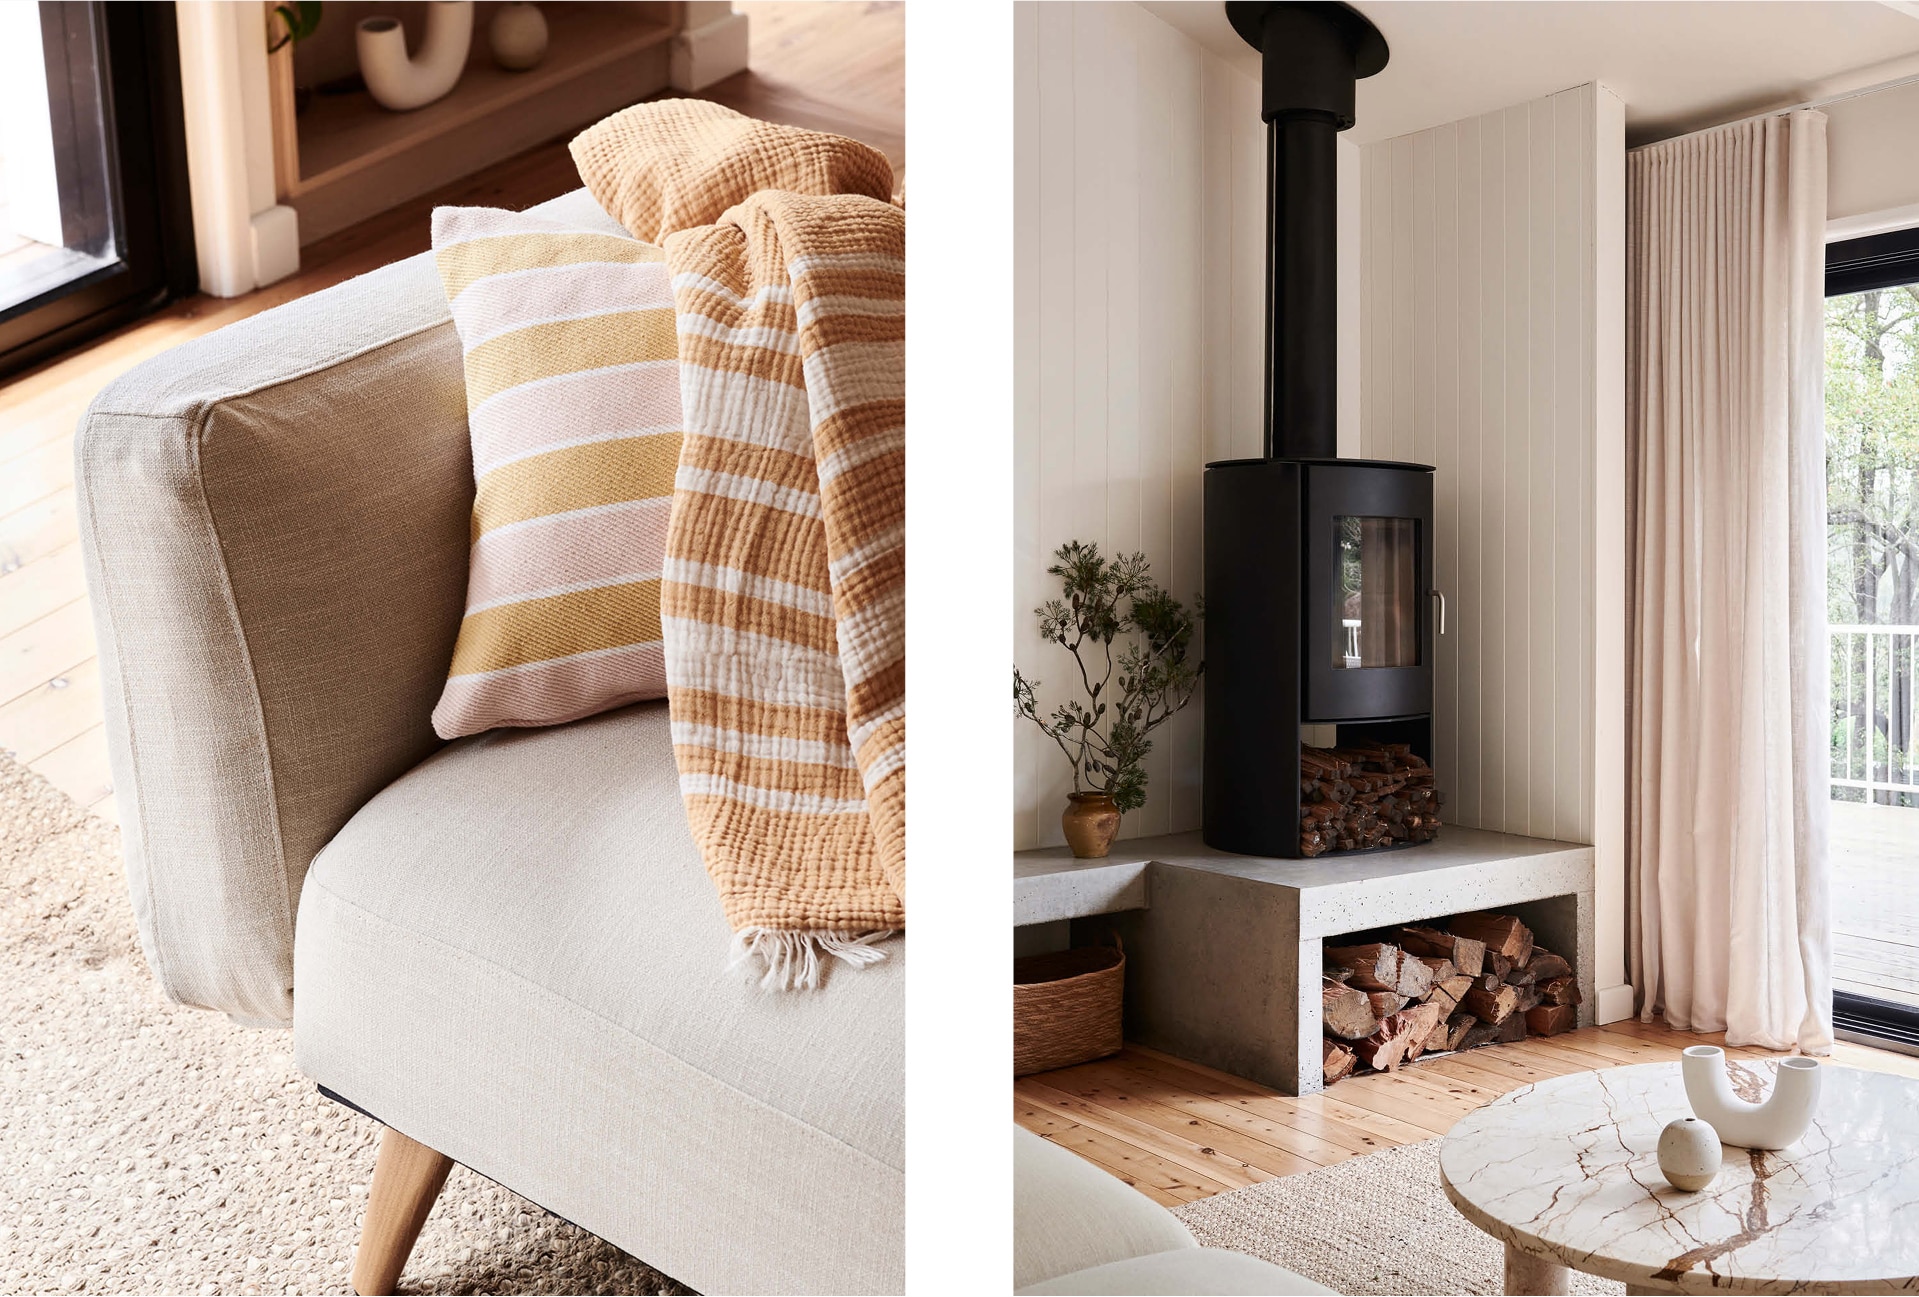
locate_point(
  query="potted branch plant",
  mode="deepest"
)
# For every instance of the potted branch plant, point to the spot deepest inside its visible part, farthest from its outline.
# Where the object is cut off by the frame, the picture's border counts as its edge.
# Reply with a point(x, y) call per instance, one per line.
point(1129, 690)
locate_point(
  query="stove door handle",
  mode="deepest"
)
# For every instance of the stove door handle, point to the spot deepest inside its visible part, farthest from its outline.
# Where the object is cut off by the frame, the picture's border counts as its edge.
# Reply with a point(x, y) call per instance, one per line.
point(1440, 595)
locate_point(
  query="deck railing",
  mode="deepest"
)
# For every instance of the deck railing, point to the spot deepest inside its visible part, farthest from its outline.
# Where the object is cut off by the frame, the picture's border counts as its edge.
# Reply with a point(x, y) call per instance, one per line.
point(1874, 672)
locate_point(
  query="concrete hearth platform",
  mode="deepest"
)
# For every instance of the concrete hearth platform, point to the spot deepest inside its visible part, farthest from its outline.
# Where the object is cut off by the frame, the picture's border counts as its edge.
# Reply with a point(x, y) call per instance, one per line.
point(1224, 951)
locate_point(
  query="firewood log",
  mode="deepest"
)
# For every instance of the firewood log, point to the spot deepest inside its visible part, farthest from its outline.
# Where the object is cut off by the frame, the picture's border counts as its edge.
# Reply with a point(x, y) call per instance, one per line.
point(1551, 1019)
point(1345, 1011)
point(1415, 977)
point(1545, 965)
point(1498, 965)
point(1528, 998)
point(1423, 1020)
point(1522, 975)
point(1503, 933)
point(1338, 1062)
point(1457, 986)
point(1442, 968)
point(1445, 999)
point(1491, 1006)
point(1468, 955)
point(1385, 1049)
point(1480, 1033)
point(1561, 990)
point(1385, 1003)
point(1375, 965)
point(1456, 1028)
point(1513, 1028)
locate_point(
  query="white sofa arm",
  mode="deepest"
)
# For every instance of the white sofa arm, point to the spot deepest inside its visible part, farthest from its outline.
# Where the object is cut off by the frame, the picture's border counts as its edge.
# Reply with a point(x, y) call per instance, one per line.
point(274, 521)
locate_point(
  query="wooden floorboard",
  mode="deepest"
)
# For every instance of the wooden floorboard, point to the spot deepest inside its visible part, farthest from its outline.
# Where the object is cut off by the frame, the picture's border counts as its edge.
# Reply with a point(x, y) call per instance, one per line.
point(826, 66)
point(1178, 1131)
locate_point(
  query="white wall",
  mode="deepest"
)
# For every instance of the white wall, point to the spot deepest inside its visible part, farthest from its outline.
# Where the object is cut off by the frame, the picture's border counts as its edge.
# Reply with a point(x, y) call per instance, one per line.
point(1140, 215)
point(1493, 272)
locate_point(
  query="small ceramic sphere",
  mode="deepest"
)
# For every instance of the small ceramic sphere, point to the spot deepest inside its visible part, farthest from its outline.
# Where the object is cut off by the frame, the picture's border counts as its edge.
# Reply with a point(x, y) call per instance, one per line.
point(1689, 1153)
point(518, 36)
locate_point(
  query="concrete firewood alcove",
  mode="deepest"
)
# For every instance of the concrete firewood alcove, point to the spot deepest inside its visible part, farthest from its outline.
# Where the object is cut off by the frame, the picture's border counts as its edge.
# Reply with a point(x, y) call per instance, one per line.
point(1224, 952)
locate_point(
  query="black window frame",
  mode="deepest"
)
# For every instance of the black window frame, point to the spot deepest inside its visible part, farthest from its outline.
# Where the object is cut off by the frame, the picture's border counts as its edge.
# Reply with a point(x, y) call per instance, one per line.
point(1856, 266)
point(154, 259)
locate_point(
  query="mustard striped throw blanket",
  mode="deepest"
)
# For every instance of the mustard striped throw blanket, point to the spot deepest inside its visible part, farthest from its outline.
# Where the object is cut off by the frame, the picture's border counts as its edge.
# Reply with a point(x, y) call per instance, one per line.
point(783, 595)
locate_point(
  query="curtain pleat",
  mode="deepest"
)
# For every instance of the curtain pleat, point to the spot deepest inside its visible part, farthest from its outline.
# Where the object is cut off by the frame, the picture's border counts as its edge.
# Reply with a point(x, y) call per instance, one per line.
point(1729, 926)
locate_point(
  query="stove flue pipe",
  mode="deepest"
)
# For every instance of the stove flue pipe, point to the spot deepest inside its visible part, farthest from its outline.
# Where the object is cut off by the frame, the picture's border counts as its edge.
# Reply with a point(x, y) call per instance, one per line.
point(1312, 55)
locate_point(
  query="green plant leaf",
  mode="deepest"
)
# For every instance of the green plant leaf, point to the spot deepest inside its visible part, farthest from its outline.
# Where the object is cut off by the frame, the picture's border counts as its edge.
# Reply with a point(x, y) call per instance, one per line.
point(298, 20)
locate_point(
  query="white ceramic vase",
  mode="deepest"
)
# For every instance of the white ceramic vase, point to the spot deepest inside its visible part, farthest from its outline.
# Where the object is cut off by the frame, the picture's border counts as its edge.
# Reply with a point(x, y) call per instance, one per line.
point(1689, 1153)
point(1782, 1118)
point(518, 36)
point(398, 82)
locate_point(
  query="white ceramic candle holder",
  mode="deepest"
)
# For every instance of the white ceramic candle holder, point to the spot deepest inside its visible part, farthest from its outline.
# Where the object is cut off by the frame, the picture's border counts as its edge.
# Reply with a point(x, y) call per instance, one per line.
point(1785, 1115)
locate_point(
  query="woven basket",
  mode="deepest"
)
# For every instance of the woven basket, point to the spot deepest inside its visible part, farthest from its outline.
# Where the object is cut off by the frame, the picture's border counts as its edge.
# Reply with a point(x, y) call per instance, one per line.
point(1066, 1007)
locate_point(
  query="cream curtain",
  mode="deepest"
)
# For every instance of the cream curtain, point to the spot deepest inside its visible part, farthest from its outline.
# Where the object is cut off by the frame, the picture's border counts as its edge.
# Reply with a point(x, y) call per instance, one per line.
point(1727, 621)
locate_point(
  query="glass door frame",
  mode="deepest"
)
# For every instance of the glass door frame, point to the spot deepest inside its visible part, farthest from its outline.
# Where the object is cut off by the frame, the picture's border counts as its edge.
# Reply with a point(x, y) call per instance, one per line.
point(1335, 489)
point(1854, 266)
point(153, 259)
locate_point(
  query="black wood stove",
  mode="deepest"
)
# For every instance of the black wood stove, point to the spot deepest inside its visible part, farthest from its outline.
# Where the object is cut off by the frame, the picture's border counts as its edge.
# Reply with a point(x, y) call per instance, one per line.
point(1320, 608)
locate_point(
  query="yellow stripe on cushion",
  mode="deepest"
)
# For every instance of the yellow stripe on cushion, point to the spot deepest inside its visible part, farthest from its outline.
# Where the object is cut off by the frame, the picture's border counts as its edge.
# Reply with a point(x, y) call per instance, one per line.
point(462, 263)
point(561, 625)
point(568, 347)
point(577, 477)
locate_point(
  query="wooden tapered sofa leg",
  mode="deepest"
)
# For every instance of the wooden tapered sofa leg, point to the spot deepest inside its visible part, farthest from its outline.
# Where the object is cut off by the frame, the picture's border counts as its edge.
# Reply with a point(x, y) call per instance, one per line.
point(407, 1179)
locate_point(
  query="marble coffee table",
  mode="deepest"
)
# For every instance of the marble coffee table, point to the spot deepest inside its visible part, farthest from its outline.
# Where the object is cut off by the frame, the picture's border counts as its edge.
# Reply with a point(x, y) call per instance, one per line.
point(1565, 1173)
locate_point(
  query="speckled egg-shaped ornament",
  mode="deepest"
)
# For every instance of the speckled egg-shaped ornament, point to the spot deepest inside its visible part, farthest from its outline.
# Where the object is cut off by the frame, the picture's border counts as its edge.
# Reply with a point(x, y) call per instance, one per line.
point(518, 36)
point(1689, 1153)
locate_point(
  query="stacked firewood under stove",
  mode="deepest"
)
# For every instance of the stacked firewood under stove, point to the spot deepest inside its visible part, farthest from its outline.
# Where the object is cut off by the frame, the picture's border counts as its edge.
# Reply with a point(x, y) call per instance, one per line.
point(1474, 979)
point(1364, 795)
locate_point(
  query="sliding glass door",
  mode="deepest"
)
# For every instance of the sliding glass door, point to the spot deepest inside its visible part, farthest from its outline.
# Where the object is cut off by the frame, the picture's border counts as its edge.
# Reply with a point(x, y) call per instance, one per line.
point(95, 224)
point(1872, 484)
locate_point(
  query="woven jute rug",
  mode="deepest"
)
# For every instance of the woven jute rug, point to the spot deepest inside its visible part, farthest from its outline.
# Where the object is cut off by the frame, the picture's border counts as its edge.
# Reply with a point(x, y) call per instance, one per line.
point(148, 1148)
point(1373, 1224)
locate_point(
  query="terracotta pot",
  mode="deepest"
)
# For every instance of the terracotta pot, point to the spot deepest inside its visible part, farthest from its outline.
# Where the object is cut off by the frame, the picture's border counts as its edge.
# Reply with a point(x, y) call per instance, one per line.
point(1091, 822)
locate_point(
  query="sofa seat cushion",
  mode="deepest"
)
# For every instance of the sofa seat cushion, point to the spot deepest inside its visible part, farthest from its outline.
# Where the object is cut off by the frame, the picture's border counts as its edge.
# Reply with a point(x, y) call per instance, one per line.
point(514, 955)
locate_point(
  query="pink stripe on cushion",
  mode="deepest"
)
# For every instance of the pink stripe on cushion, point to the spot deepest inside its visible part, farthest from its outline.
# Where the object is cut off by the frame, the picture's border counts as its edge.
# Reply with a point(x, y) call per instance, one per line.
point(458, 224)
point(569, 549)
point(502, 303)
point(551, 692)
point(558, 411)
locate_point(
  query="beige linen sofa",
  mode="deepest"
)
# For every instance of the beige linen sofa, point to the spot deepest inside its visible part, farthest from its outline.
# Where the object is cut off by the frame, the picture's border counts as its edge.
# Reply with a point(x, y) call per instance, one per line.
point(504, 948)
point(1077, 1229)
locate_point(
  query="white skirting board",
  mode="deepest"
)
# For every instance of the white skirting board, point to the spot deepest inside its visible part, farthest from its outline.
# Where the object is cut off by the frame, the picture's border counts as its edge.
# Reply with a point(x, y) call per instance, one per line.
point(710, 48)
point(1613, 1004)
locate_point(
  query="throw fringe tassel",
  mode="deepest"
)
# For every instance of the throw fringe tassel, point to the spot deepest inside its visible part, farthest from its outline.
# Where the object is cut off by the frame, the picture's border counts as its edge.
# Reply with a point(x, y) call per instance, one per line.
point(793, 959)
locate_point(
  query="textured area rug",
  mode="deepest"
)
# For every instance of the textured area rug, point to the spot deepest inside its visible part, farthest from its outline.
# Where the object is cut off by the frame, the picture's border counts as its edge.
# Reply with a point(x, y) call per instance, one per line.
point(1374, 1224)
point(149, 1148)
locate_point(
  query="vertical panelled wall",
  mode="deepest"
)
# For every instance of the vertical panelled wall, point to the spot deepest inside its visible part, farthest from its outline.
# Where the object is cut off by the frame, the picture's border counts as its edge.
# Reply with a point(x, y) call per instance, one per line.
point(1493, 279)
point(1139, 244)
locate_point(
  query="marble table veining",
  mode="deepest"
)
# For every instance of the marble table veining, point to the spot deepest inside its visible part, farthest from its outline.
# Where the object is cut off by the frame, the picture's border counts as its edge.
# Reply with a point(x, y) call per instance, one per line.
point(1565, 1173)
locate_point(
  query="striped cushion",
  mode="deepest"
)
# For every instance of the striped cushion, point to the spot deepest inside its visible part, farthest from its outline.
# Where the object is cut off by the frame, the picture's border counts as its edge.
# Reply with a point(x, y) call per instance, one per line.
point(573, 399)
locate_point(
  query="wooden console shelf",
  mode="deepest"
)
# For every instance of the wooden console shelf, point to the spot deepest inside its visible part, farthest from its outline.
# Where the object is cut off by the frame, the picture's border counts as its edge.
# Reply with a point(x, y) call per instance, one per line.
point(347, 158)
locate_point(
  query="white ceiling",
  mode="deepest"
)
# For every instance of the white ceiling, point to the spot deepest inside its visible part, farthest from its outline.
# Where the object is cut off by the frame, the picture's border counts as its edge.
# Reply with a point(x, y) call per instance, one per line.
point(1678, 64)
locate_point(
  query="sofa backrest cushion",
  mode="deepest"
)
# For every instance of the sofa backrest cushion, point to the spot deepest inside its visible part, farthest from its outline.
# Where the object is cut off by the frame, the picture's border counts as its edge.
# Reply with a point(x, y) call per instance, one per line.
point(573, 402)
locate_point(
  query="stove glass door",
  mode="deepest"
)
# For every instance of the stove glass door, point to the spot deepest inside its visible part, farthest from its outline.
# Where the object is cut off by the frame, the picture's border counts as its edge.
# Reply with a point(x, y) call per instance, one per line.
point(1376, 587)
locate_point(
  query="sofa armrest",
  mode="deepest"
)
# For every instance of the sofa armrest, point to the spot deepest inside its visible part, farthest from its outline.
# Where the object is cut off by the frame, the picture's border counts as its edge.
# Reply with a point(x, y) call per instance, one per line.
point(274, 520)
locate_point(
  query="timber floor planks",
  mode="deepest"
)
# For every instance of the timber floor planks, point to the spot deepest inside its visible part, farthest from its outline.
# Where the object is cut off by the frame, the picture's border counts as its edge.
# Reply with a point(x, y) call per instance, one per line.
point(832, 67)
point(1179, 1131)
